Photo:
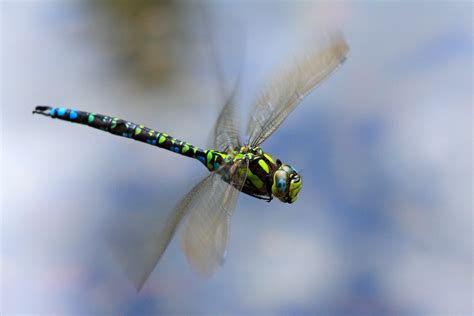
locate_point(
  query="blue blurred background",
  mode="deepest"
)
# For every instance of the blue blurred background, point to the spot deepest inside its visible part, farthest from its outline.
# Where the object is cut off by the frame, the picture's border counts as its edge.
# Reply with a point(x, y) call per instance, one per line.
point(383, 224)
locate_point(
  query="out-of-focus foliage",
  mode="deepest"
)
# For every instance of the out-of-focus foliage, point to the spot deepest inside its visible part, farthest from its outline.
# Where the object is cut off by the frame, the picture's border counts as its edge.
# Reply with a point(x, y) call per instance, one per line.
point(144, 36)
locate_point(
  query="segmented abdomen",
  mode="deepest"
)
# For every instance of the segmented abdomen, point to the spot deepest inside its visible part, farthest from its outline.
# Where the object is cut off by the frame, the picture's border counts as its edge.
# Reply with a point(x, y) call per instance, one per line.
point(210, 158)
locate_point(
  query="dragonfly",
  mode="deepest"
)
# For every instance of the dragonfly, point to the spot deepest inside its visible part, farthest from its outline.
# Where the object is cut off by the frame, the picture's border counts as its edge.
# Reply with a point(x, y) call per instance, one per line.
point(234, 167)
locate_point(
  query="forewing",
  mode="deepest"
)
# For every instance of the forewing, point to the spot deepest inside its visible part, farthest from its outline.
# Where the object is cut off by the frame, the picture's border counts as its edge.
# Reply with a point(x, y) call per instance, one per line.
point(286, 91)
point(226, 129)
point(206, 230)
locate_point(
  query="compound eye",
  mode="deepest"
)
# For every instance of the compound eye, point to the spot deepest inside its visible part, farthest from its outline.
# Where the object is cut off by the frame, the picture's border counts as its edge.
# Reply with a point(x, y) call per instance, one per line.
point(281, 185)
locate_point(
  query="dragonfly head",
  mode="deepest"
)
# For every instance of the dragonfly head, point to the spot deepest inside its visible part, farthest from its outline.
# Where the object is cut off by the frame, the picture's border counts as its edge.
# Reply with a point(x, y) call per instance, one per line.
point(286, 183)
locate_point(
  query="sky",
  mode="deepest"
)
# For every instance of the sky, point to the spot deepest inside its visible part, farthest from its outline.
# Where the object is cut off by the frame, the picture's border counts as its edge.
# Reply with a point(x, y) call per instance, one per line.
point(382, 225)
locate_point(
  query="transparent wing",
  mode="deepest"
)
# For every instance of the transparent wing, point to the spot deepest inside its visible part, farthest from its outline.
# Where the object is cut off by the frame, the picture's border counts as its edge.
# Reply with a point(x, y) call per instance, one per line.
point(283, 94)
point(210, 209)
point(226, 129)
point(140, 248)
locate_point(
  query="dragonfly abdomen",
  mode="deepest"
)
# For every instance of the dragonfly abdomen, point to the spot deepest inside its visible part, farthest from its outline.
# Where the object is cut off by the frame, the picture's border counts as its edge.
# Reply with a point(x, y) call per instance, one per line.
point(210, 158)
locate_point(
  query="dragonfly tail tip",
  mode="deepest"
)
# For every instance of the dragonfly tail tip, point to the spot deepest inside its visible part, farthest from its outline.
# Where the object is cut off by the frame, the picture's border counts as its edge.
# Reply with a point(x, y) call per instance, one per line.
point(42, 109)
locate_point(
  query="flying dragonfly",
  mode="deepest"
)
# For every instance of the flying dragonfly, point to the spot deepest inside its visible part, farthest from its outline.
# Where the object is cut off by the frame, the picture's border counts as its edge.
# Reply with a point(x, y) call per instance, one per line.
point(234, 167)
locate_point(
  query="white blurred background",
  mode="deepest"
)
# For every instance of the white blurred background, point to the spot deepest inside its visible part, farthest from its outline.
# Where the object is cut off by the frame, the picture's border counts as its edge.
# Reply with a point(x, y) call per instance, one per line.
point(383, 224)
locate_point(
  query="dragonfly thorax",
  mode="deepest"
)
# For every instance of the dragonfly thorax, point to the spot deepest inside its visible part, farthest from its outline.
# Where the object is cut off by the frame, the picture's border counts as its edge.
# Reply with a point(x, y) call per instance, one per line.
point(266, 177)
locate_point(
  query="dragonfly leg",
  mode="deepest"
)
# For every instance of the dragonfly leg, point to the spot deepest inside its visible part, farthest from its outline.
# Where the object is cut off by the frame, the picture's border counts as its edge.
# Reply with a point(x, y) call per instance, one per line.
point(268, 199)
point(269, 187)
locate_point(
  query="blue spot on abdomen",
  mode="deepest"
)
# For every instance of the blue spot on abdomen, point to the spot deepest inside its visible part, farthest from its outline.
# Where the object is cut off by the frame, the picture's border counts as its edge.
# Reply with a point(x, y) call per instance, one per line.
point(151, 141)
point(202, 159)
point(61, 111)
point(73, 115)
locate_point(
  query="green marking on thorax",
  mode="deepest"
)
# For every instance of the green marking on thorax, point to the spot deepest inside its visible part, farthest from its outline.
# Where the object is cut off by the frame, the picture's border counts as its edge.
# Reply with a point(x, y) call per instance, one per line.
point(264, 165)
point(209, 156)
point(138, 130)
point(269, 158)
point(239, 156)
point(254, 179)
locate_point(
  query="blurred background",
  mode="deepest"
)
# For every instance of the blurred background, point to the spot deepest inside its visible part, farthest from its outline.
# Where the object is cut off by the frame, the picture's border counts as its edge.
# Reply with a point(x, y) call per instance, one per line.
point(383, 224)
